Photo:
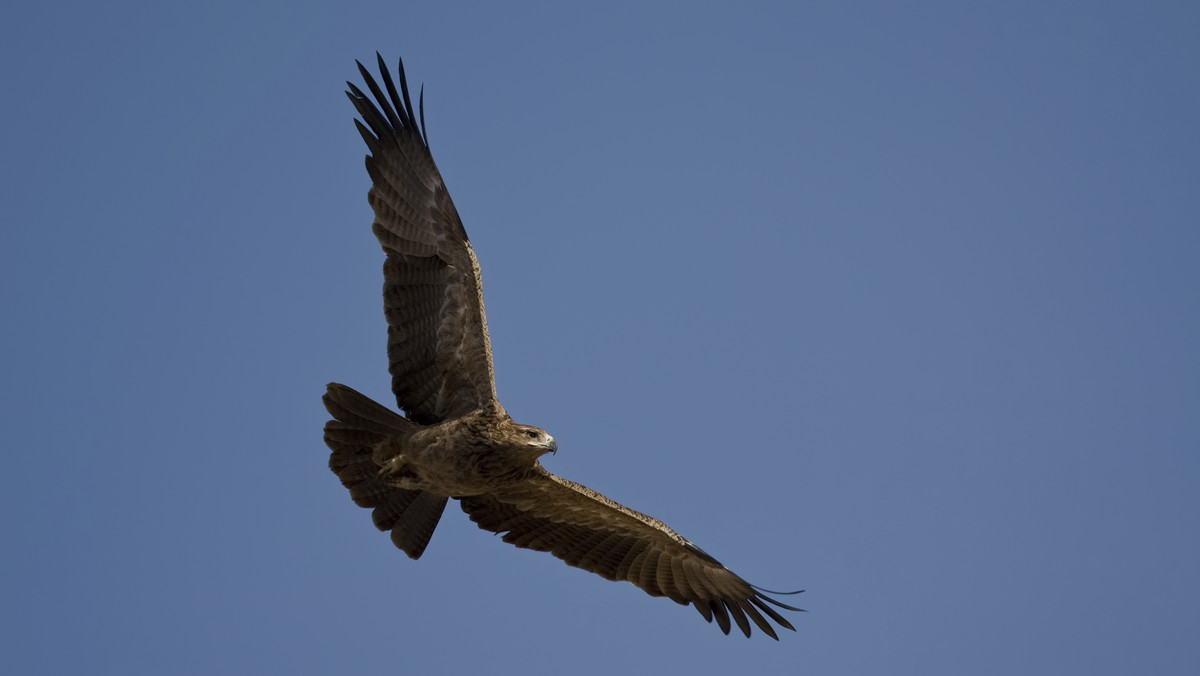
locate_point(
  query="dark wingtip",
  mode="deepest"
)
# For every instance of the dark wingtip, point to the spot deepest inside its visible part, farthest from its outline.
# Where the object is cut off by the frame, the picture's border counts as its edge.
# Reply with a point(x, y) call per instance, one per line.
point(421, 110)
point(777, 593)
point(391, 112)
point(762, 594)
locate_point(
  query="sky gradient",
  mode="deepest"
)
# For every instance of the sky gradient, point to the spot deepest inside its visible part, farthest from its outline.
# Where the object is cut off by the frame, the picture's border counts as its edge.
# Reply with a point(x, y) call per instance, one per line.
point(897, 304)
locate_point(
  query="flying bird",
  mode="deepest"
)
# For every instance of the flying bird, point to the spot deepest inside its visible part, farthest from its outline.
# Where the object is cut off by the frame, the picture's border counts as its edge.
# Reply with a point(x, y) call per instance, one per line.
point(455, 440)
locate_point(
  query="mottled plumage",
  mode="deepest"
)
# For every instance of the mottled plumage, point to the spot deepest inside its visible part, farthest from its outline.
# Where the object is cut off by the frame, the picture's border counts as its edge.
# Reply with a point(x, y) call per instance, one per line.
point(455, 440)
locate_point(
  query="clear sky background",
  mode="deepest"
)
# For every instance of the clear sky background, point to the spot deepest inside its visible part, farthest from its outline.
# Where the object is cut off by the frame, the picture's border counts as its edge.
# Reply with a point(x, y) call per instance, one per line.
point(895, 302)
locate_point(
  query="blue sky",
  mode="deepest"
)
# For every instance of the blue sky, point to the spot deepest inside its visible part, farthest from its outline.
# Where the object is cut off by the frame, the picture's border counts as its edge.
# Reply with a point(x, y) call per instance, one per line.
point(896, 303)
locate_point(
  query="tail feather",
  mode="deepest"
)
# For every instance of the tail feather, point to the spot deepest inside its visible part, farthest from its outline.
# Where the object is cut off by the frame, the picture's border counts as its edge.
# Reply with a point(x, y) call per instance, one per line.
point(360, 412)
point(360, 424)
point(420, 517)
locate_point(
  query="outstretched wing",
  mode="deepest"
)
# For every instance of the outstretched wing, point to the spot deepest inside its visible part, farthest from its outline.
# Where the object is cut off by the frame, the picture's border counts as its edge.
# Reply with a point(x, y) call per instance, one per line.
point(438, 350)
point(587, 530)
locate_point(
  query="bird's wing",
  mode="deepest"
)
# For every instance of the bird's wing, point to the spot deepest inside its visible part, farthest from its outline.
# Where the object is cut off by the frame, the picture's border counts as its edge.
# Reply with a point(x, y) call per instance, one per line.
point(587, 530)
point(438, 350)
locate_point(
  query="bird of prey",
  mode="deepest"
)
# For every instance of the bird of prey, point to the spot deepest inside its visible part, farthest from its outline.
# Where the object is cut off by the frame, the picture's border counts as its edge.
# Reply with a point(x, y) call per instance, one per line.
point(455, 439)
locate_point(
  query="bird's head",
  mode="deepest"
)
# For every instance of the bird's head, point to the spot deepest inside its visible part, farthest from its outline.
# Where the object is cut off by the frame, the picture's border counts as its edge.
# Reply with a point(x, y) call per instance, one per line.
point(533, 440)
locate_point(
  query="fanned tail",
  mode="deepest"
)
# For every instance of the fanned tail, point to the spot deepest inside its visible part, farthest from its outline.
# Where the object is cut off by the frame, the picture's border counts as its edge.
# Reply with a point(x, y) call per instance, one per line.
point(359, 425)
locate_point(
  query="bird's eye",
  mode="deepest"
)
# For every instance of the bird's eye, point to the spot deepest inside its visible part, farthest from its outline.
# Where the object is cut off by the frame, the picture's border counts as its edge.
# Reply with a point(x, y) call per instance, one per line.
point(532, 434)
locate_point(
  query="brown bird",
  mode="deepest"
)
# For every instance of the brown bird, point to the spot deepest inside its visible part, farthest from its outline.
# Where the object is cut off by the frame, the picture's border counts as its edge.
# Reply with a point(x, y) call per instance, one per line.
point(457, 441)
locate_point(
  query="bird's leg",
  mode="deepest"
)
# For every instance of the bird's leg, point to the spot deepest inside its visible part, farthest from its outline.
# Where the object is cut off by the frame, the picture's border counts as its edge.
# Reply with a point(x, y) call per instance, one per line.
point(399, 472)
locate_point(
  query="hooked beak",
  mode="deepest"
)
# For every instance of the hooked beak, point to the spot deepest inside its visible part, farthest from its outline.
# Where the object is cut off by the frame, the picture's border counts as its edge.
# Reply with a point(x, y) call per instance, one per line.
point(552, 445)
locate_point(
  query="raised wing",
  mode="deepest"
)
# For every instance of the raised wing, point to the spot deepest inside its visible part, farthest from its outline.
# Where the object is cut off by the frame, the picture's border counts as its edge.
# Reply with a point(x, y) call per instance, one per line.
point(438, 350)
point(589, 531)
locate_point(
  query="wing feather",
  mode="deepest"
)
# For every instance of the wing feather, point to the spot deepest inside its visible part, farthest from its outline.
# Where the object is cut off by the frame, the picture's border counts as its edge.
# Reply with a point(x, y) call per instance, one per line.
point(738, 616)
point(648, 577)
point(438, 349)
point(722, 617)
point(753, 614)
point(589, 531)
point(773, 613)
